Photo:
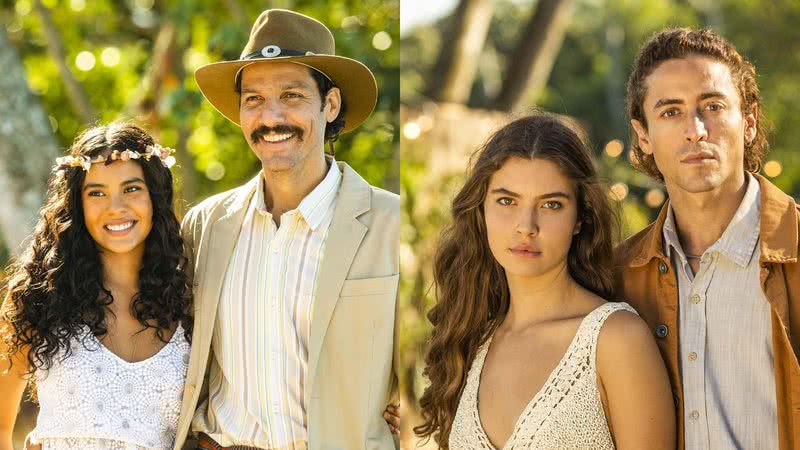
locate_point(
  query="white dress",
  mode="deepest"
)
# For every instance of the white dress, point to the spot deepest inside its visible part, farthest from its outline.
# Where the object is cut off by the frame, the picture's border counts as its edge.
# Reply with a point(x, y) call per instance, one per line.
point(94, 400)
point(566, 413)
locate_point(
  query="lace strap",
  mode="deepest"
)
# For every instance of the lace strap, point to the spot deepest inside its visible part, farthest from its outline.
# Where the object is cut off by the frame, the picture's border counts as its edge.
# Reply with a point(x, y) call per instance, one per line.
point(596, 321)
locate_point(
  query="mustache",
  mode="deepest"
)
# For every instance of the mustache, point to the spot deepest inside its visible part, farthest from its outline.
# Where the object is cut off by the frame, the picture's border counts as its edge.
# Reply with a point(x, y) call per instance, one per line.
point(263, 130)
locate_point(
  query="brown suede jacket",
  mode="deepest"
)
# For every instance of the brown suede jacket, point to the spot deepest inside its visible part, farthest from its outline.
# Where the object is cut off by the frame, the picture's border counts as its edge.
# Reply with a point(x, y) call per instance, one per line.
point(646, 280)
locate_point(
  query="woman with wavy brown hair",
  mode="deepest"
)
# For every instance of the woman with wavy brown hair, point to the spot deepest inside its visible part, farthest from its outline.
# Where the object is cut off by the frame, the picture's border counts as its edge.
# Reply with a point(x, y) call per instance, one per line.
point(97, 309)
point(526, 353)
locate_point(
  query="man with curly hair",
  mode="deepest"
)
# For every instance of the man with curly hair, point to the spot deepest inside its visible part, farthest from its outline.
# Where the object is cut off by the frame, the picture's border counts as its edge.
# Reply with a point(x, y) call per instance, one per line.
point(296, 272)
point(716, 276)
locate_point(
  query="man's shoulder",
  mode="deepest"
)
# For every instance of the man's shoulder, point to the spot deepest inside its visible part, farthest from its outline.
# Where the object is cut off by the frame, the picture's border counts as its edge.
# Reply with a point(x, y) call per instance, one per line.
point(633, 246)
point(206, 207)
point(384, 200)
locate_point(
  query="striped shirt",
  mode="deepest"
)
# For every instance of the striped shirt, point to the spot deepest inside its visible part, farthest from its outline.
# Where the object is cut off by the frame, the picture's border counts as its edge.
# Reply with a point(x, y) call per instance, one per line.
point(260, 342)
point(726, 356)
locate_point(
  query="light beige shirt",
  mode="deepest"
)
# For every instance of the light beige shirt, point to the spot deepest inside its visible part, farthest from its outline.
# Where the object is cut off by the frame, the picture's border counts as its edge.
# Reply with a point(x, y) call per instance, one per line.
point(259, 367)
point(725, 339)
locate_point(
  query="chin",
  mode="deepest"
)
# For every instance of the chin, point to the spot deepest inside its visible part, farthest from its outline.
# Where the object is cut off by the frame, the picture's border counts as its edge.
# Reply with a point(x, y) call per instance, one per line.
point(121, 248)
point(531, 270)
point(278, 163)
point(700, 184)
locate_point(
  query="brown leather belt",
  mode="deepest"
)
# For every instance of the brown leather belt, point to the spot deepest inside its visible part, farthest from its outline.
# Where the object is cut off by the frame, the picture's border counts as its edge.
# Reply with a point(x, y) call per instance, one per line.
point(205, 442)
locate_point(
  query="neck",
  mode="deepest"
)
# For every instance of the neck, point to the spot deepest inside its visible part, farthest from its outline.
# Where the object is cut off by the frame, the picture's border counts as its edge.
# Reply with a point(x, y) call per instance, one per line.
point(701, 218)
point(538, 299)
point(121, 272)
point(283, 191)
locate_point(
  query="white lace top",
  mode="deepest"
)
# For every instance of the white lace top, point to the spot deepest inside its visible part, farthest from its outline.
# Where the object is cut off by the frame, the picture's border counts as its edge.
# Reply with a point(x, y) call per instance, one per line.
point(94, 400)
point(566, 413)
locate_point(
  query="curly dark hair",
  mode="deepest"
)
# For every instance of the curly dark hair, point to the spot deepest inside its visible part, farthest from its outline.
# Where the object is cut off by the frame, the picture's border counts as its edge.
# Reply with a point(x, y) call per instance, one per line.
point(471, 287)
point(55, 288)
point(324, 84)
point(673, 43)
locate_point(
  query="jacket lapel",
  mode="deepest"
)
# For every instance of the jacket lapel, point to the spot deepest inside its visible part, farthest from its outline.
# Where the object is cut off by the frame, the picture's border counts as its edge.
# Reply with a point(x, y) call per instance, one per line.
point(344, 238)
point(222, 241)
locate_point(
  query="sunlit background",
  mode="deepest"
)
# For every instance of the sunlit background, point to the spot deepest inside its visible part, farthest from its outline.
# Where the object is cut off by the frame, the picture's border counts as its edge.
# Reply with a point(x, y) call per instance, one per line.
point(70, 63)
point(470, 66)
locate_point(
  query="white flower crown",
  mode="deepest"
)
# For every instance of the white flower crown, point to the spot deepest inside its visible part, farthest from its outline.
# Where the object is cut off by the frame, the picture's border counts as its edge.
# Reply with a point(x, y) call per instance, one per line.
point(162, 153)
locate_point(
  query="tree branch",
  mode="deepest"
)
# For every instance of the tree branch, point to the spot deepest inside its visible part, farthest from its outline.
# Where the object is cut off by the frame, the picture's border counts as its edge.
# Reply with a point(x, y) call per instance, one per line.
point(535, 54)
point(75, 92)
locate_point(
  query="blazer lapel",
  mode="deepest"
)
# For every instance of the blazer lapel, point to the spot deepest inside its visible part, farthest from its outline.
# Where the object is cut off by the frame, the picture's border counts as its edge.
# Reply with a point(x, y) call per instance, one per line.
point(344, 238)
point(222, 241)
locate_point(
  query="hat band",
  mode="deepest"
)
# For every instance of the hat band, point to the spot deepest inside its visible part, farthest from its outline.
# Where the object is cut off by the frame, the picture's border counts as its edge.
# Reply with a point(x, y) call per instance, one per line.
point(273, 51)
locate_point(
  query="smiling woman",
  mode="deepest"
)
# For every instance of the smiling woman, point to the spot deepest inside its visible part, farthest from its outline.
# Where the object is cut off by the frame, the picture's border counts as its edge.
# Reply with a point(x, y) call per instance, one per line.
point(117, 209)
point(97, 309)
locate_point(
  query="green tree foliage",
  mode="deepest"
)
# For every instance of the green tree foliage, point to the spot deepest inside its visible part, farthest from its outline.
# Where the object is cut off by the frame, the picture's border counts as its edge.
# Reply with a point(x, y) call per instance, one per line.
point(121, 38)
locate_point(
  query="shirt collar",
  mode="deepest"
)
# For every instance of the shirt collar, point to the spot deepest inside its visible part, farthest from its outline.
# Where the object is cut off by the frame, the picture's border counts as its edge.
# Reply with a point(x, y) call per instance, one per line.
point(315, 204)
point(739, 239)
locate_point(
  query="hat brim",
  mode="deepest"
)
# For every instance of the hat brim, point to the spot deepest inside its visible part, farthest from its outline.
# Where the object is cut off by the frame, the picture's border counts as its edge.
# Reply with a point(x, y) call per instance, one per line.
point(354, 79)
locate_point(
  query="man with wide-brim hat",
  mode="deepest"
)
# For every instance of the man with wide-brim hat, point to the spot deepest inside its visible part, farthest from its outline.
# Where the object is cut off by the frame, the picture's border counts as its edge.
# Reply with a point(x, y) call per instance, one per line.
point(295, 273)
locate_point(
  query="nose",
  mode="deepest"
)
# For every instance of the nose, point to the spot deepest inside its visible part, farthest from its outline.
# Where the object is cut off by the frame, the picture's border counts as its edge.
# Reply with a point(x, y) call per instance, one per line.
point(695, 128)
point(272, 113)
point(527, 223)
point(117, 202)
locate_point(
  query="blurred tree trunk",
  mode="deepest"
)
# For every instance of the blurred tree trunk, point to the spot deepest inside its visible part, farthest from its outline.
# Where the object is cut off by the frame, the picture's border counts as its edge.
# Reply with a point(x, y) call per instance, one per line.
point(455, 69)
point(615, 80)
point(75, 92)
point(27, 150)
point(536, 52)
point(143, 101)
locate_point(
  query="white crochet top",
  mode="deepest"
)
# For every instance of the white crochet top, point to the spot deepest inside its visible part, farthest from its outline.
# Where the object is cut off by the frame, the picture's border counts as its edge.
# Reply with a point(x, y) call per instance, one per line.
point(94, 400)
point(565, 414)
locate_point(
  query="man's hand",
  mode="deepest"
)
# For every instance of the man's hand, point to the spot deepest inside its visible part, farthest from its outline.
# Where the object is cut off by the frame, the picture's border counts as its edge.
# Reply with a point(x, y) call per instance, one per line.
point(392, 417)
point(29, 446)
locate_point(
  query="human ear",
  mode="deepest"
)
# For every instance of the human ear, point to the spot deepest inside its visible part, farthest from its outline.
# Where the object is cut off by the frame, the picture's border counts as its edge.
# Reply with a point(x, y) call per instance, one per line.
point(333, 103)
point(751, 125)
point(642, 137)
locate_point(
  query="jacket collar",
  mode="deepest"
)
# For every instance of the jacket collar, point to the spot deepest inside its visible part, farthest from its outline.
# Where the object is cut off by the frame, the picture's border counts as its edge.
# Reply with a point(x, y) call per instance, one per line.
point(778, 231)
point(778, 224)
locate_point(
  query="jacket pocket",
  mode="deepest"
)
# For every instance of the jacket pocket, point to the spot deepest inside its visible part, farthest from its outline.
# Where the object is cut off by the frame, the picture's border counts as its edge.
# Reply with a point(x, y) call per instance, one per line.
point(370, 286)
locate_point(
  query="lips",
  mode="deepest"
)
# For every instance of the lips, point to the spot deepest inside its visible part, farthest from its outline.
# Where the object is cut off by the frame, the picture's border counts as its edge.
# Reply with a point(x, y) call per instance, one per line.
point(276, 138)
point(525, 251)
point(119, 227)
point(698, 157)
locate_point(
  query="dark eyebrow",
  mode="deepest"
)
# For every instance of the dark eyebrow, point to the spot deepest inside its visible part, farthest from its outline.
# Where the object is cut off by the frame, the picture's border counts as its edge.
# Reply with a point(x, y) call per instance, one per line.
point(549, 195)
point(504, 191)
point(555, 195)
point(132, 181)
point(667, 101)
point(124, 183)
point(675, 101)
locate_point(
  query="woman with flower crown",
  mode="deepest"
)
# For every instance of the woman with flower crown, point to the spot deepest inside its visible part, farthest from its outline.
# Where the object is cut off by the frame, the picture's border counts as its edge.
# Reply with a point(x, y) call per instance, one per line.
point(97, 309)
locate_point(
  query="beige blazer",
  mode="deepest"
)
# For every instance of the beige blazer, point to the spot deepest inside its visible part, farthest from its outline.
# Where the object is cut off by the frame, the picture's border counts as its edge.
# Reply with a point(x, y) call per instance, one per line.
point(353, 360)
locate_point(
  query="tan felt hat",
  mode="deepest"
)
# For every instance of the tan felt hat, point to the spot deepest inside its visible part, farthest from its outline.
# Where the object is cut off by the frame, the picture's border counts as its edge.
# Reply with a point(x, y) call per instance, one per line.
point(287, 36)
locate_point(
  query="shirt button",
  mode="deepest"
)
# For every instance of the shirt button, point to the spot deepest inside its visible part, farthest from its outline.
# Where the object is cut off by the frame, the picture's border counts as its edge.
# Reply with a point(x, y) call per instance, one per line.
point(692, 356)
point(662, 331)
point(694, 415)
point(695, 299)
point(662, 267)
